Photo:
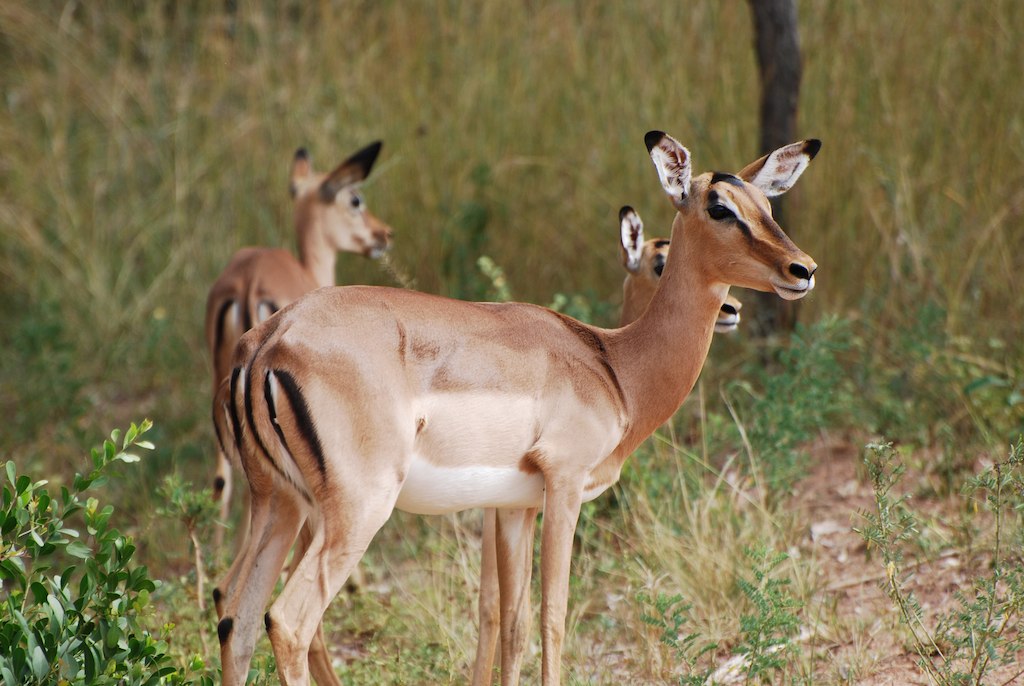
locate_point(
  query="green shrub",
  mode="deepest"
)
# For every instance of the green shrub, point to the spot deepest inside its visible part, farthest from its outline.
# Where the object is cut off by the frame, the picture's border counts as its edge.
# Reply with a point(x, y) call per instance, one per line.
point(72, 601)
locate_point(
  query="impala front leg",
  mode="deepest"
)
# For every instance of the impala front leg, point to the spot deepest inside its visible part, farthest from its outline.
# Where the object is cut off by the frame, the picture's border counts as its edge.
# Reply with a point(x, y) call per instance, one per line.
point(514, 539)
point(489, 604)
point(562, 504)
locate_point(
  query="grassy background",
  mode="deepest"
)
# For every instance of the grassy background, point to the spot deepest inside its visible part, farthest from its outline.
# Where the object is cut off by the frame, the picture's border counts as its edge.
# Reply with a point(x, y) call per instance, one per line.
point(142, 143)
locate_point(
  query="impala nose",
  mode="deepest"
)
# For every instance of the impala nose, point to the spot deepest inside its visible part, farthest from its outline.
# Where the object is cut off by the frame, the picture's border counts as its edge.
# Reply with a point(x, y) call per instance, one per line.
point(800, 271)
point(728, 309)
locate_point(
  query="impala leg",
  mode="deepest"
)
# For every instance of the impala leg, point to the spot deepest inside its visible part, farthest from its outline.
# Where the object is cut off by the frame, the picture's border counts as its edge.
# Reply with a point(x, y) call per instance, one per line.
point(514, 547)
point(257, 519)
point(561, 513)
point(279, 518)
point(222, 493)
point(319, 659)
point(337, 544)
point(483, 666)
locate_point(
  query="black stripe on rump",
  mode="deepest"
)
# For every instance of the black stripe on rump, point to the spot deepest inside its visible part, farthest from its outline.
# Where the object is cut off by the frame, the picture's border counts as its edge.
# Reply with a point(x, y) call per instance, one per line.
point(246, 318)
point(218, 339)
point(252, 422)
point(303, 419)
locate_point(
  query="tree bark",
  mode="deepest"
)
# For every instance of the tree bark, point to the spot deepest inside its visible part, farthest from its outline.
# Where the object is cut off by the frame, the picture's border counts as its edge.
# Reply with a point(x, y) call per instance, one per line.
point(777, 41)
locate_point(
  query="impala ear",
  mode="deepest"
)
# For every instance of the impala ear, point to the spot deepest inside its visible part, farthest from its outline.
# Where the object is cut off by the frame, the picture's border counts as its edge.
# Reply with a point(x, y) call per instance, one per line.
point(631, 233)
point(672, 161)
point(353, 170)
point(301, 169)
point(778, 171)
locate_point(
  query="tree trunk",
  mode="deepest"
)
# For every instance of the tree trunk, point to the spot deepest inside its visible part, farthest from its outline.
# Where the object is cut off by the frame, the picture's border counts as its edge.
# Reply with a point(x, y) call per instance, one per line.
point(777, 41)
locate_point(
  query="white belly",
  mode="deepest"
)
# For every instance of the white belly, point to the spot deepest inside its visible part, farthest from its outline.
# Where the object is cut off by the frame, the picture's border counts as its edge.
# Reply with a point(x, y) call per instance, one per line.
point(430, 489)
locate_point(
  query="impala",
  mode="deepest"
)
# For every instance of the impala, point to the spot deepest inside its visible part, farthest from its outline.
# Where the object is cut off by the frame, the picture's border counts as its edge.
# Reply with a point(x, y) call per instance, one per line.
point(330, 217)
point(644, 262)
point(355, 401)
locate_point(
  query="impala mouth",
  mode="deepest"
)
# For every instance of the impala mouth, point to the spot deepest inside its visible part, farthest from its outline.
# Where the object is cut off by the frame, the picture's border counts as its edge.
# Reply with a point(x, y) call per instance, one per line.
point(727, 322)
point(794, 291)
point(377, 251)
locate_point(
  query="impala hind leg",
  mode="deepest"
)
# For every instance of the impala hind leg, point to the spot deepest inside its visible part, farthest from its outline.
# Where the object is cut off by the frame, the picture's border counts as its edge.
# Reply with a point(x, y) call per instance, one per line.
point(514, 548)
point(276, 521)
point(489, 604)
point(222, 494)
point(338, 542)
point(319, 659)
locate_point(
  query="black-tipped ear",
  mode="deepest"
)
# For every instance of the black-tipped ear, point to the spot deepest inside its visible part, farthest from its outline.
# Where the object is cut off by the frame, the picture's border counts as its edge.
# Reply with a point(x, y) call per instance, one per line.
point(353, 170)
point(301, 168)
point(812, 146)
point(652, 138)
point(364, 159)
point(626, 209)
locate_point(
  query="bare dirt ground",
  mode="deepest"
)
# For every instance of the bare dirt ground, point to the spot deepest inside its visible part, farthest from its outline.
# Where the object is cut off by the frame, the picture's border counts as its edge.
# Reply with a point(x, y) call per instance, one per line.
point(870, 647)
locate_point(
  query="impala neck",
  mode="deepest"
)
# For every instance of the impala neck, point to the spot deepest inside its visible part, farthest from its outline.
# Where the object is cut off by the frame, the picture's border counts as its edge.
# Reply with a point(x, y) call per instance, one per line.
point(315, 253)
point(661, 354)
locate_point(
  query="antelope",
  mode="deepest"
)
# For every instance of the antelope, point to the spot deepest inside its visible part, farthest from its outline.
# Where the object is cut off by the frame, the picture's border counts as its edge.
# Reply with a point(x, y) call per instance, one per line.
point(358, 400)
point(644, 262)
point(330, 217)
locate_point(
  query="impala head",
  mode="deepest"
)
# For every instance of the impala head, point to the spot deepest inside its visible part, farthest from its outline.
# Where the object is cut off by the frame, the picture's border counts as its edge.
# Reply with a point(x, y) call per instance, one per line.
point(334, 203)
point(729, 219)
point(644, 261)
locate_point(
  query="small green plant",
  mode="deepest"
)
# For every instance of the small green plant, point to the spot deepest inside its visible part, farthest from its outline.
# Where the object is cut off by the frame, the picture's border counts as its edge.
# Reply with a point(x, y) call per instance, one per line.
point(196, 510)
point(767, 641)
point(985, 631)
point(802, 395)
point(72, 601)
point(669, 614)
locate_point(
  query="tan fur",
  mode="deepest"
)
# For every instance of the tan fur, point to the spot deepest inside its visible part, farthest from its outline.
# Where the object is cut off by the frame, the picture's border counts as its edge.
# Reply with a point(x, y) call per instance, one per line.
point(572, 399)
point(639, 286)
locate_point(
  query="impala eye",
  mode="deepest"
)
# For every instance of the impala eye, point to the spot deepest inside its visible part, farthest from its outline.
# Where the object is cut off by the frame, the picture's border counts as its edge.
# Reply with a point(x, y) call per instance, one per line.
point(357, 202)
point(720, 213)
point(659, 265)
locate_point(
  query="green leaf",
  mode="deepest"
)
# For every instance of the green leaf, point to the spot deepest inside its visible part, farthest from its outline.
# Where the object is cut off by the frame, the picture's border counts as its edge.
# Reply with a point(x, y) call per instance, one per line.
point(58, 609)
point(11, 472)
point(38, 592)
point(79, 550)
point(40, 665)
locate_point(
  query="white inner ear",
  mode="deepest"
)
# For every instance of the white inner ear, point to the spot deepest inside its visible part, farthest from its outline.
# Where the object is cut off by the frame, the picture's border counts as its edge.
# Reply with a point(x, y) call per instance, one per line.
point(632, 240)
point(672, 161)
point(781, 170)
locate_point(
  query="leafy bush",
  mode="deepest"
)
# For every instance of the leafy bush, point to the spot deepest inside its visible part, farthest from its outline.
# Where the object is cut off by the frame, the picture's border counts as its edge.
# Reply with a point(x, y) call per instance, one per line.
point(72, 603)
